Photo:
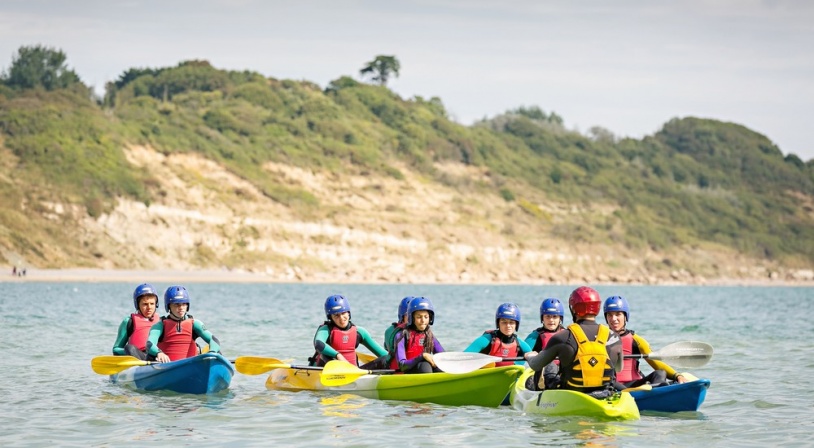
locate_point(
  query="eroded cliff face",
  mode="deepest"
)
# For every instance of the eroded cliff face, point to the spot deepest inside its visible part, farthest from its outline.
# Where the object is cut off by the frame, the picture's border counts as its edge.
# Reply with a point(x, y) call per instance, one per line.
point(370, 228)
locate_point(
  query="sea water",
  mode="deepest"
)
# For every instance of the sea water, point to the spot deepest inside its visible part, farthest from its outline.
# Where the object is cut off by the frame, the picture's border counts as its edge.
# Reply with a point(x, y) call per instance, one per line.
point(760, 371)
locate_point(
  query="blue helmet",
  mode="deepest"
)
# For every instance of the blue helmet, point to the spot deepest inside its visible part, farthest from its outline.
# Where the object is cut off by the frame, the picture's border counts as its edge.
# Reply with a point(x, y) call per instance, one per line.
point(508, 311)
point(176, 294)
point(552, 307)
point(617, 303)
point(144, 289)
point(336, 304)
point(405, 302)
point(420, 304)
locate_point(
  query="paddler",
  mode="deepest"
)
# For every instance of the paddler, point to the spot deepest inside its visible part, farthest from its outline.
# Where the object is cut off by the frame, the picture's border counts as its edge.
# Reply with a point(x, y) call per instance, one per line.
point(588, 351)
point(416, 343)
point(338, 337)
point(132, 337)
point(617, 315)
point(552, 315)
point(503, 341)
point(173, 338)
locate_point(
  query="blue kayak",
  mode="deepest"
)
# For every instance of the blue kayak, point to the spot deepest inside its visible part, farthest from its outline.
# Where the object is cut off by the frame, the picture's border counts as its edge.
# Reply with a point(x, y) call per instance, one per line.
point(672, 398)
point(203, 374)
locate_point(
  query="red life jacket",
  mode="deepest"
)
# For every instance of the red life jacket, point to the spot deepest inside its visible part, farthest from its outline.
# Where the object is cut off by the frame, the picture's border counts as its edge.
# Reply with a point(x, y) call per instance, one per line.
point(545, 336)
point(177, 342)
point(630, 370)
point(344, 342)
point(139, 330)
point(502, 349)
point(414, 346)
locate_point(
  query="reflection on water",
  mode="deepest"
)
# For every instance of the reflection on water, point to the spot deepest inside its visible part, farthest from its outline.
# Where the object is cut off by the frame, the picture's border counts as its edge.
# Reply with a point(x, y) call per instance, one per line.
point(342, 405)
point(587, 432)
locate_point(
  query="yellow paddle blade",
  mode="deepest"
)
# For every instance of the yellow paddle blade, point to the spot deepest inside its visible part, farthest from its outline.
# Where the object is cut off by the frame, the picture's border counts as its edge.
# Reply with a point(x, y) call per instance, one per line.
point(256, 365)
point(111, 365)
point(689, 376)
point(643, 387)
point(340, 373)
point(364, 358)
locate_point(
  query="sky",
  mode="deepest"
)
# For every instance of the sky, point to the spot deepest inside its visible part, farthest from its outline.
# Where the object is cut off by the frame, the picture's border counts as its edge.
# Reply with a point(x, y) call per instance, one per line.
point(626, 66)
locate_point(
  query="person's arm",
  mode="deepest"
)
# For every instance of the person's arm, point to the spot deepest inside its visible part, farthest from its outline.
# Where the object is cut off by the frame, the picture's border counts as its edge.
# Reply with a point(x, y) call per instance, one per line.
point(324, 348)
point(121, 338)
point(480, 345)
point(524, 349)
point(388, 337)
point(644, 348)
point(557, 347)
point(199, 331)
point(370, 343)
point(152, 339)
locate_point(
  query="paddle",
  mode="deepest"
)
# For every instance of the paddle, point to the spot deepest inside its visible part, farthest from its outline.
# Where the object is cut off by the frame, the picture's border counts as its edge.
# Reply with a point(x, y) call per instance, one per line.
point(111, 365)
point(465, 362)
point(340, 373)
point(687, 354)
point(256, 365)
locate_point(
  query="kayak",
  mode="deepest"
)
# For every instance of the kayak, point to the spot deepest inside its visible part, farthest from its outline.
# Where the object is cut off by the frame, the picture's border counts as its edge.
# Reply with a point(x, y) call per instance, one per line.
point(483, 387)
point(203, 374)
point(673, 398)
point(620, 406)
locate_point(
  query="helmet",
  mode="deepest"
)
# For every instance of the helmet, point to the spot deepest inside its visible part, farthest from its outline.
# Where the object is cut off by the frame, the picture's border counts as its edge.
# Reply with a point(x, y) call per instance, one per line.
point(617, 303)
point(584, 300)
point(508, 311)
point(143, 290)
point(176, 294)
point(419, 304)
point(552, 307)
point(405, 302)
point(336, 304)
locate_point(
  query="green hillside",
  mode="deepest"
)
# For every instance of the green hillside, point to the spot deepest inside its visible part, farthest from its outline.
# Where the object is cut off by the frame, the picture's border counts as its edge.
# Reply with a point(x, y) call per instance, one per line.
point(695, 182)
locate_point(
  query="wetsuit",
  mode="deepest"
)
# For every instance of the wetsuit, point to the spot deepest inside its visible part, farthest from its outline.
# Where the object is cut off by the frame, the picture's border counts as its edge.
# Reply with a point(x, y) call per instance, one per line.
point(550, 375)
point(132, 336)
point(565, 347)
point(325, 352)
point(409, 349)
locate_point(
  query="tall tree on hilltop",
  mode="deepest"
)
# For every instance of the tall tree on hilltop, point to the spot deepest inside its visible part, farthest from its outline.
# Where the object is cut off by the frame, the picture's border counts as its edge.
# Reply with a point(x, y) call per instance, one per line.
point(40, 66)
point(381, 68)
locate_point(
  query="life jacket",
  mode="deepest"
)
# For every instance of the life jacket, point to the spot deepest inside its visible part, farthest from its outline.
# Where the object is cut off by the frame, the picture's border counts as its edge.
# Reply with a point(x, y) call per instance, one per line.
point(503, 349)
point(139, 329)
point(343, 341)
point(177, 341)
point(630, 370)
point(414, 346)
point(591, 367)
point(545, 336)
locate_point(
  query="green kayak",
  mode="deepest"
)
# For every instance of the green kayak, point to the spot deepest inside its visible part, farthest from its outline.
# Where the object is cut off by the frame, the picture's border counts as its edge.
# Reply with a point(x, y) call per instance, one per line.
point(483, 387)
point(620, 406)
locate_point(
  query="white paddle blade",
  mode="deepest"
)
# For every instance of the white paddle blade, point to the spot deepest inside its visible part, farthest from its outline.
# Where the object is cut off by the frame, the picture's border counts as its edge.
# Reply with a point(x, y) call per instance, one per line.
point(462, 362)
point(686, 354)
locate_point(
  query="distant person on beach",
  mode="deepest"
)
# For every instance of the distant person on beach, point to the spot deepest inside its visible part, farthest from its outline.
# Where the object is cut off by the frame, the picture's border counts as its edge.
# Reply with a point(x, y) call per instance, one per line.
point(503, 341)
point(338, 337)
point(588, 351)
point(552, 315)
point(133, 331)
point(173, 337)
point(617, 315)
point(14, 271)
point(416, 343)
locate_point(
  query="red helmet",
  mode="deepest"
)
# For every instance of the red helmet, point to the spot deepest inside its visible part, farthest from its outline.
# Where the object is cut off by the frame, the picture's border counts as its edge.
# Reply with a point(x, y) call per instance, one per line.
point(584, 300)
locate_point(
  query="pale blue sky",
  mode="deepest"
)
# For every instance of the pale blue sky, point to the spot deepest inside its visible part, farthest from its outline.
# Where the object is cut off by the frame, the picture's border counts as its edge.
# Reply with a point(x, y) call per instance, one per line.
point(628, 66)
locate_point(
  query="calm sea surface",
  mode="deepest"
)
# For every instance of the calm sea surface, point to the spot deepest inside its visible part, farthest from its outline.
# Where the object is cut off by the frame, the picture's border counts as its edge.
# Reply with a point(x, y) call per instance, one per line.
point(761, 393)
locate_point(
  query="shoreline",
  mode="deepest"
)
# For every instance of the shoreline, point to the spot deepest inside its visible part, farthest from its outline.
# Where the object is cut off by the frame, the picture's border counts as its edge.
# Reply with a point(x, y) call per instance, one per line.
point(97, 275)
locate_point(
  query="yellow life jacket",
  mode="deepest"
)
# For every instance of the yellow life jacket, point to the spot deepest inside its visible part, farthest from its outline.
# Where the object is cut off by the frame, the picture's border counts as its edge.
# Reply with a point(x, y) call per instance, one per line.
point(591, 367)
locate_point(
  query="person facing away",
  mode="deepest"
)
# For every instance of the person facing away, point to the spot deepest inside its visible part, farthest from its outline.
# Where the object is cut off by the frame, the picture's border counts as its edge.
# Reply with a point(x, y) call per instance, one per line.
point(338, 337)
point(617, 315)
point(552, 315)
point(502, 341)
point(585, 350)
point(132, 337)
point(415, 344)
point(173, 337)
